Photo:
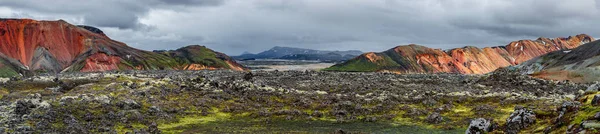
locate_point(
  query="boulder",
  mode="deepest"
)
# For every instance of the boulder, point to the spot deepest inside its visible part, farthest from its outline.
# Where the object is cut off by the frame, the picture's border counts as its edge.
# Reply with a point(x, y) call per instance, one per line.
point(519, 119)
point(434, 118)
point(597, 116)
point(593, 88)
point(590, 125)
point(128, 104)
point(596, 100)
point(480, 126)
point(32, 101)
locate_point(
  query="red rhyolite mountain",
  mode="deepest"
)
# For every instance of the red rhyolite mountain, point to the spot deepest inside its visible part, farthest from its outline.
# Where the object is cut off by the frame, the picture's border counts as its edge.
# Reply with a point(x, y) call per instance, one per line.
point(581, 64)
point(467, 60)
point(53, 46)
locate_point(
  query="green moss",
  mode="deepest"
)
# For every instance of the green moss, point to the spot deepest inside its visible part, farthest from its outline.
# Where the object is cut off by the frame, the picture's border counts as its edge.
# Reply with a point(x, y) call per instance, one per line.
point(356, 65)
point(58, 125)
point(7, 72)
point(195, 124)
point(187, 121)
point(3, 91)
point(364, 65)
point(585, 113)
point(198, 55)
point(121, 129)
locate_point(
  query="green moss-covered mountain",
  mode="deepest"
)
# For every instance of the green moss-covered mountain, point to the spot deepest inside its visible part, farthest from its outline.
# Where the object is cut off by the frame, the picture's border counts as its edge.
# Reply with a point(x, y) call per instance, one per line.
point(190, 57)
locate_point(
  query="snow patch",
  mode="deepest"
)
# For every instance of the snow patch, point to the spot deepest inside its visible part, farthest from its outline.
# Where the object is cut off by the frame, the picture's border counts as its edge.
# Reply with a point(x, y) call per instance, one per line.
point(521, 48)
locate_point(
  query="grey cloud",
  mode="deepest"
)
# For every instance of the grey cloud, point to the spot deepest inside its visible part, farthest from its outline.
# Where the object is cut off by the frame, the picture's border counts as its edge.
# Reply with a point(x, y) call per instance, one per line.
point(122, 21)
point(193, 2)
point(123, 14)
point(527, 17)
point(234, 26)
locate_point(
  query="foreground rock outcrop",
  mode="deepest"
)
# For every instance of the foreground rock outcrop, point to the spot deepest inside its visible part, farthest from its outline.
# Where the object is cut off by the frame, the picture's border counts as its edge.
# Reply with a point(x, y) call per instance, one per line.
point(467, 60)
point(57, 46)
point(521, 118)
point(225, 101)
point(480, 126)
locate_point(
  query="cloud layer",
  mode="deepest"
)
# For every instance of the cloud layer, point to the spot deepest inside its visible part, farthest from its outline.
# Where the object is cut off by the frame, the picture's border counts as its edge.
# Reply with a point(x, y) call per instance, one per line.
point(234, 26)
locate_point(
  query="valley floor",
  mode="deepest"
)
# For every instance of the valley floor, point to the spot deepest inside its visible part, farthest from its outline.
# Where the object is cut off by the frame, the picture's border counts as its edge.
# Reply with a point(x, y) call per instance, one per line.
point(224, 101)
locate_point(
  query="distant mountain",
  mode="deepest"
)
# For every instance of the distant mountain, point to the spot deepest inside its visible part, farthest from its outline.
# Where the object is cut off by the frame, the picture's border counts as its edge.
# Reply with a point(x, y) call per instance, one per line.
point(320, 57)
point(291, 53)
point(581, 64)
point(196, 57)
point(30, 46)
point(467, 60)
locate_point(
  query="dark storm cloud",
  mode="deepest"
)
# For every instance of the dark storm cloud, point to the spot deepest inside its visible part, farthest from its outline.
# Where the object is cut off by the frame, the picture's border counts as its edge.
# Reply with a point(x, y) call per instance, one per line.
point(234, 26)
point(529, 17)
point(122, 14)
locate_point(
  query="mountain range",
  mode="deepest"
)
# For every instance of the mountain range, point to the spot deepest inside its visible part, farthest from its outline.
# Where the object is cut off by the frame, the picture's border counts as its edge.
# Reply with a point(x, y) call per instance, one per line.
point(30, 46)
point(291, 53)
point(467, 60)
point(580, 64)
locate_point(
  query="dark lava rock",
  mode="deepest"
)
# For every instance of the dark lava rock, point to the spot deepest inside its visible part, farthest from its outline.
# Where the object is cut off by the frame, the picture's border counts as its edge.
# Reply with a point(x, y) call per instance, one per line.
point(596, 100)
point(340, 131)
point(128, 104)
point(153, 128)
point(248, 76)
point(484, 109)
point(597, 116)
point(519, 119)
point(317, 114)
point(567, 107)
point(434, 118)
point(24, 130)
point(23, 107)
point(92, 29)
point(481, 126)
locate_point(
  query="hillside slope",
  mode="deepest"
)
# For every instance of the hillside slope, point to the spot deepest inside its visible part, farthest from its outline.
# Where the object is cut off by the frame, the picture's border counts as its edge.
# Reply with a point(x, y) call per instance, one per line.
point(195, 57)
point(581, 64)
point(57, 46)
point(467, 60)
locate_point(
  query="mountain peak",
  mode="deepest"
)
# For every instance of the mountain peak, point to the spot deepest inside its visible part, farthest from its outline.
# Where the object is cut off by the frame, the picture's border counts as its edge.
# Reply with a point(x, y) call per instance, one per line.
point(415, 58)
point(30, 46)
point(93, 29)
point(246, 53)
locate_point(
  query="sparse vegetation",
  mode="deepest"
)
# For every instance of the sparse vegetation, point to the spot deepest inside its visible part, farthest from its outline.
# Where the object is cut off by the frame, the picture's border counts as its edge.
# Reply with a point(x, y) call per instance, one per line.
point(284, 102)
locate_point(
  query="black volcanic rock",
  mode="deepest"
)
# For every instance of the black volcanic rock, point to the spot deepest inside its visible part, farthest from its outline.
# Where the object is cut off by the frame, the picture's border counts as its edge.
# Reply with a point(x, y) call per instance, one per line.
point(92, 29)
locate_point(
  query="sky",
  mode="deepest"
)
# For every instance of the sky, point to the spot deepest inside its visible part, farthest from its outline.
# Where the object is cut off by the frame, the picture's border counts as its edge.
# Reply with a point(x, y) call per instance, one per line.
point(235, 26)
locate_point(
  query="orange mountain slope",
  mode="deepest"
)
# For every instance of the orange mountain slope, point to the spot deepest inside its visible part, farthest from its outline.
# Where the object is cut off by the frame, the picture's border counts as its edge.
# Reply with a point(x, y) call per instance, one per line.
point(467, 60)
point(56, 46)
point(580, 64)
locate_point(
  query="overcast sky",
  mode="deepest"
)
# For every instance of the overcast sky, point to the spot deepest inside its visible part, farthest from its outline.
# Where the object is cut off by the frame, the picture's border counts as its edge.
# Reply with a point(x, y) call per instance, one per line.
point(235, 26)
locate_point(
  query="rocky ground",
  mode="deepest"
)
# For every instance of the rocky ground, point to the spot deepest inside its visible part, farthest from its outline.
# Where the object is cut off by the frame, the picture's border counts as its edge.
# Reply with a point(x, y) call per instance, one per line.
point(224, 101)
